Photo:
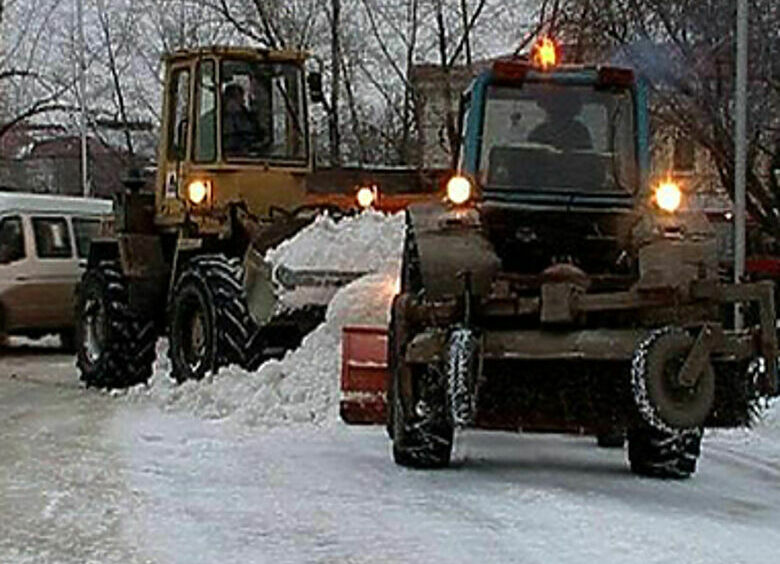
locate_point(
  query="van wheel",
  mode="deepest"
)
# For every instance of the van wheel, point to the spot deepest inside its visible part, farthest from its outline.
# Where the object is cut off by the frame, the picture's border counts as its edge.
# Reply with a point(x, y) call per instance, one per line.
point(209, 322)
point(115, 347)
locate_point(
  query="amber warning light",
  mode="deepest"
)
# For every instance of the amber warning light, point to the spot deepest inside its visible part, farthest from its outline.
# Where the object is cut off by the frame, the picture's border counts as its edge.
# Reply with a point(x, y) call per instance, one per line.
point(545, 53)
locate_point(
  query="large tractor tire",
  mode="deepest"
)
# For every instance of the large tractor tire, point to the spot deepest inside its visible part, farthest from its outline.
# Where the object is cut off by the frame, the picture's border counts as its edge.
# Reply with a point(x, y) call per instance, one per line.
point(422, 432)
point(658, 454)
point(399, 329)
point(418, 419)
point(422, 429)
point(209, 322)
point(115, 347)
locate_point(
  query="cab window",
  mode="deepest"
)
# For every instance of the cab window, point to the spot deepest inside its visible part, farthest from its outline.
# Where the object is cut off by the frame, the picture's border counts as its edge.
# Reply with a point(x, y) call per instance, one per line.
point(85, 230)
point(52, 240)
point(179, 104)
point(206, 124)
point(263, 115)
point(11, 240)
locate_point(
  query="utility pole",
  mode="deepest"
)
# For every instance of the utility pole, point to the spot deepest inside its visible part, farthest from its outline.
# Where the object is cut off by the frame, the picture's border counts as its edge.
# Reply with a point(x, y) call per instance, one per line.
point(740, 151)
point(83, 99)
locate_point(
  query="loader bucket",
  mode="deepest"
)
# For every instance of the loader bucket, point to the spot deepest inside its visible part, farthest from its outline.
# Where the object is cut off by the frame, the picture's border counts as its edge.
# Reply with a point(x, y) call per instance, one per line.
point(363, 375)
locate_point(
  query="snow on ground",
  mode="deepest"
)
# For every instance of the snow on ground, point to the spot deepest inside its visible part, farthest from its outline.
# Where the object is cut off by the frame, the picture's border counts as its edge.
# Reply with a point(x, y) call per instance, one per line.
point(303, 387)
point(153, 479)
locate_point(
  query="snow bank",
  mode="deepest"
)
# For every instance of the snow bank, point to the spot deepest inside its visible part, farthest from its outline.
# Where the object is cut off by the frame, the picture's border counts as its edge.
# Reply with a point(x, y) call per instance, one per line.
point(356, 244)
point(303, 387)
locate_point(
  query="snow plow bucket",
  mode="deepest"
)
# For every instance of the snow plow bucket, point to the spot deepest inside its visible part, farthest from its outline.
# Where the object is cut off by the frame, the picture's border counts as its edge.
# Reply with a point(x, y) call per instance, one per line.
point(364, 372)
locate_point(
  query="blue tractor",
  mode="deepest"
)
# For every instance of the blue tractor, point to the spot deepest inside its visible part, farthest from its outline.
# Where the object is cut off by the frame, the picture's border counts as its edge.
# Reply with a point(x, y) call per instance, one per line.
point(555, 289)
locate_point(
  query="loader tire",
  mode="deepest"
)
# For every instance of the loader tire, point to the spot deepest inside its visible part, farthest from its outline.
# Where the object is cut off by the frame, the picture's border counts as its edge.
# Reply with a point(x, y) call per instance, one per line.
point(114, 346)
point(658, 454)
point(209, 323)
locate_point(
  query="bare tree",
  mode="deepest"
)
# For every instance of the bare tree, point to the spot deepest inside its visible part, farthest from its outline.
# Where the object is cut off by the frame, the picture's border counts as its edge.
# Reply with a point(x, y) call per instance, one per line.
point(686, 50)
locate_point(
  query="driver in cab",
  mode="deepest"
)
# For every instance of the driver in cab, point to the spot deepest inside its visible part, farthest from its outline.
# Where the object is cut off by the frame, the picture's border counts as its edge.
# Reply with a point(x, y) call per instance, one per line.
point(239, 125)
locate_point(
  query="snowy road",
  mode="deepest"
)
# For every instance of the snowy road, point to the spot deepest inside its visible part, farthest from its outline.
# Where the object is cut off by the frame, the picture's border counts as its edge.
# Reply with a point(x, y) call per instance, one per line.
point(86, 477)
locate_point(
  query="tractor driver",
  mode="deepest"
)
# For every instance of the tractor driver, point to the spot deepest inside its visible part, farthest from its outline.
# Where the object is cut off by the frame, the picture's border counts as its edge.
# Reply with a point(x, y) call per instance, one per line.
point(239, 126)
point(561, 128)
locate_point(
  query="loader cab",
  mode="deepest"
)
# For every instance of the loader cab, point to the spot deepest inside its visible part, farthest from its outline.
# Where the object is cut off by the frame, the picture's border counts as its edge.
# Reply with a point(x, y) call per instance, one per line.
point(235, 131)
point(545, 138)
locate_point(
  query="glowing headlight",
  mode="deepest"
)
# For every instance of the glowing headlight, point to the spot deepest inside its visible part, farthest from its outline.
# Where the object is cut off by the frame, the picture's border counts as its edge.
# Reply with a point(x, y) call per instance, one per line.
point(366, 196)
point(458, 190)
point(198, 190)
point(668, 196)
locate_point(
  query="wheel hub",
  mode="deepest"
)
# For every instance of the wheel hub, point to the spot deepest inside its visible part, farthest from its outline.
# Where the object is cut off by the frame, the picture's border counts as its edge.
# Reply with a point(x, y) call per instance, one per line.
point(195, 338)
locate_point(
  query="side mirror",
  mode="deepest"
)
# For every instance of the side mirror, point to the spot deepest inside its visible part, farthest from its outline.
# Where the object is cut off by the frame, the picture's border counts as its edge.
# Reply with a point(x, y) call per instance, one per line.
point(314, 81)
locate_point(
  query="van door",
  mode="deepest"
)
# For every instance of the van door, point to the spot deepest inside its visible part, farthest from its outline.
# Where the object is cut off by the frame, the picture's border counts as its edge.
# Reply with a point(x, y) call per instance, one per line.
point(14, 259)
point(53, 284)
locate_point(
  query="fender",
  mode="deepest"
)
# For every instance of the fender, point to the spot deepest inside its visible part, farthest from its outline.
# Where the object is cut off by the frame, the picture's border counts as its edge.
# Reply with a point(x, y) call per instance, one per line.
point(143, 264)
point(102, 249)
point(450, 244)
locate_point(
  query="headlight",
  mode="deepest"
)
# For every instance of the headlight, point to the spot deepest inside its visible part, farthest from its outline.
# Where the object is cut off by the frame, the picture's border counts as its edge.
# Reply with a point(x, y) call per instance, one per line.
point(668, 196)
point(198, 191)
point(458, 190)
point(366, 196)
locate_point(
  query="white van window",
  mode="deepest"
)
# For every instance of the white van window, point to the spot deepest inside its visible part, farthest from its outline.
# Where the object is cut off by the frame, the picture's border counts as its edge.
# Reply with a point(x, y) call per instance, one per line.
point(51, 237)
point(11, 240)
point(85, 230)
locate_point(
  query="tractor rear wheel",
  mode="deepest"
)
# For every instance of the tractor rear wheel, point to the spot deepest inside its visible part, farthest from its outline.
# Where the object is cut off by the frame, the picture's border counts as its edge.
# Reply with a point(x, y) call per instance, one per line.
point(659, 454)
point(114, 346)
point(209, 322)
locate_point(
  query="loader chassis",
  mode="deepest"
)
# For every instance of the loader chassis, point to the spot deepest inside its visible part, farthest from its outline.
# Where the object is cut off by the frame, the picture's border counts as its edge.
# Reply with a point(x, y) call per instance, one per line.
point(560, 298)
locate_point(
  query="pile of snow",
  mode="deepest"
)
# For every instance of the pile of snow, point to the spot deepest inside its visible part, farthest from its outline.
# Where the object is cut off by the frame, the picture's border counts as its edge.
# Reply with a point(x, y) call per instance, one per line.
point(357, 244)
point(303, 387)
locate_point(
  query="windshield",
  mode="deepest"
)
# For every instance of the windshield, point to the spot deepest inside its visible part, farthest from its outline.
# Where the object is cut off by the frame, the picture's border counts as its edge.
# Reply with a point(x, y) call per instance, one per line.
point(555, 138)
point(262, 111)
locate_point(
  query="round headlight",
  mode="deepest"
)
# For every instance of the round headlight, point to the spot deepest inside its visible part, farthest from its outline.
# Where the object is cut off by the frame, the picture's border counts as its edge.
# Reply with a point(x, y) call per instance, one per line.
point(668, 196)
point(197, 191)
point(458, 189)
point(365, 197)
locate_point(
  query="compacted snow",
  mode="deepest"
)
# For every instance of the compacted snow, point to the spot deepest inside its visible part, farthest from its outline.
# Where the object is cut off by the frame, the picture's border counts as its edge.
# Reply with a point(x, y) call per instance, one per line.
point(256, 467)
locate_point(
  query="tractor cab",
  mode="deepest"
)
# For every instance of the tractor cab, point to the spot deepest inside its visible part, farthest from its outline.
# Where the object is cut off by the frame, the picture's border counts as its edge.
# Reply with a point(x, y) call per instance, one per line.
point(537, 135)
point(235, 130)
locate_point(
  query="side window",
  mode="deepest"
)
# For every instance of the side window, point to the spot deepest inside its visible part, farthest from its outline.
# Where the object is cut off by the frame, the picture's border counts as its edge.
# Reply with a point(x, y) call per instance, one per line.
point(180, 102)
point(85, 230)
point(11, 240)
point(52, 240)
point(206, 124)
point(465, 111)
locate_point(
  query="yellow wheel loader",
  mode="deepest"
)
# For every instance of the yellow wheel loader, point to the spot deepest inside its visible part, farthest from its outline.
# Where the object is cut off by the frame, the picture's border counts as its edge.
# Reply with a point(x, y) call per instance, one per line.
point(187, 260)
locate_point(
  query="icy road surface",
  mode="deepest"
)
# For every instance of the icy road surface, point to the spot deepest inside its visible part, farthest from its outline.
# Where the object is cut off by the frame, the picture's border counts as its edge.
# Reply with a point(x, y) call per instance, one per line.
point(86, 477)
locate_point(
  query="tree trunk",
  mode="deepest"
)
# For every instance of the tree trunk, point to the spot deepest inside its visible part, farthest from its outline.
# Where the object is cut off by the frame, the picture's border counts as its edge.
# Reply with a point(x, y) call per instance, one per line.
point(335, 84)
